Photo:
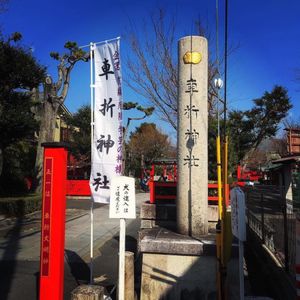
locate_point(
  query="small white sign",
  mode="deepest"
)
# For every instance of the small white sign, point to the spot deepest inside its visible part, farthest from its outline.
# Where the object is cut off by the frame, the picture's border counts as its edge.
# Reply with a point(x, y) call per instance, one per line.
point(238, 220)
point(122, 198)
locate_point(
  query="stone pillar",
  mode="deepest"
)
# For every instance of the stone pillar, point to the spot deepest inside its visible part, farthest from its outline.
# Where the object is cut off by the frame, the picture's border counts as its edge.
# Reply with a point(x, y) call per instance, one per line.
point(192, 189)
point(129, 275)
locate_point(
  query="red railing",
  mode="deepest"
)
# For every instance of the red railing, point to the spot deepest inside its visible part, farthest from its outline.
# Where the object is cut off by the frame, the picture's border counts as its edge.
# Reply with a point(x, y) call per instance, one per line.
point(82, 188)
point(155, 188)
point(214, 186)
point(78, 188)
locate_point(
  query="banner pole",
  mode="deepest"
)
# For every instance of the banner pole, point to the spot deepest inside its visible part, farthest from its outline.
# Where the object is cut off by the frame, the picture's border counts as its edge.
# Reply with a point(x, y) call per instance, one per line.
point(241, 267)
point(92, 154)
point(122, 259)
point(92, 243)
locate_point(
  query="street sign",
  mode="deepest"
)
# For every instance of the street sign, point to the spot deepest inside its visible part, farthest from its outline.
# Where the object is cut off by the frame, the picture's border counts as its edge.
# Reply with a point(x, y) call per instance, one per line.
point(122, 206)
point(238, 226)
point(122, 198)
point(238, 219)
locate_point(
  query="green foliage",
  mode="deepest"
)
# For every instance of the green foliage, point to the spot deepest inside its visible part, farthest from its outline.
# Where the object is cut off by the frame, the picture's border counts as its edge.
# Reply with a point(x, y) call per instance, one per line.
point(54, 55)
point(71, 45)
point(18, 69)
point(80, 123)
point(212, 161)
point(74, 54)
point(146, 110)
point(129, 105)
point(19, 74)
point(249, 128)
point(16, 36)
point(20, 206)
point(18, 165)
point(212, 149)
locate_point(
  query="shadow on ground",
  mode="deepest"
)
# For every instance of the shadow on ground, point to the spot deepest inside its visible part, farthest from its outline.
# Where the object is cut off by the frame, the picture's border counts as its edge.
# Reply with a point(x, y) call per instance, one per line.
point(258, 276)
point(10, 249)
point(79, 269)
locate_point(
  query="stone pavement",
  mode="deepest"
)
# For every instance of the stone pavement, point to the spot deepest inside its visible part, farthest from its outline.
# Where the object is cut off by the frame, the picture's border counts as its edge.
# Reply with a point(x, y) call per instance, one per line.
point(20, 242)
point(20, 250)
point(23, 234)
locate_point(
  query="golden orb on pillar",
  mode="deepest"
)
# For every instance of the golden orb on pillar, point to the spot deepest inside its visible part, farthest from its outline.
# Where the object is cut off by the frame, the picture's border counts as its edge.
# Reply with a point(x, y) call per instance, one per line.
point(192, 57)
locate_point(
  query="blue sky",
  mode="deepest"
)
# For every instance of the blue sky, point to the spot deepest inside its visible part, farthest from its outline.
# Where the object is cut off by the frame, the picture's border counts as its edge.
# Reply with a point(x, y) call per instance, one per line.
point(266, 35)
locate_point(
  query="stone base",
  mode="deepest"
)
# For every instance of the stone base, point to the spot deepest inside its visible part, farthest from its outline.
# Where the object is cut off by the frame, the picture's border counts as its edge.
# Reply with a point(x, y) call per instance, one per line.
point(148, 224)
point(164, 215)
point(177, 266)
point(160, 240)
point(162, 211)
point(178, 277)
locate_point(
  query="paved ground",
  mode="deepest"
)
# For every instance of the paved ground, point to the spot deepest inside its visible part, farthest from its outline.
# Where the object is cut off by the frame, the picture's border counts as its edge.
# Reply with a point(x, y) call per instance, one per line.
point(20, 243)
point(20, 246)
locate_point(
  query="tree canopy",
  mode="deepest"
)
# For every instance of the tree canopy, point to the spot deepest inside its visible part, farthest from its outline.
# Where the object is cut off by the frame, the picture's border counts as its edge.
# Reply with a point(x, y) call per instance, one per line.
point(53, 96)
point(19, 74)
point(146, 143)
point(80, 125)
point(247, 129)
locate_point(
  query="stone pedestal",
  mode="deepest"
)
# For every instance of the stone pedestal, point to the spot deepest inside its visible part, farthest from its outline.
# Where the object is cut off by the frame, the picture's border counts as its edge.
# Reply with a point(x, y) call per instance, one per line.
point(164, 215)
point(192, 186)
point(177, 267)
point(88, 292)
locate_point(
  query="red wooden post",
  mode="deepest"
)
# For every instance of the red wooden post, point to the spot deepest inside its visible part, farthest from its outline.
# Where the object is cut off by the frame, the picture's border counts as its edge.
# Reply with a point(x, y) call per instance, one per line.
point(175, 172)
point(239, 173)
point(152, 191)
point(53, 221)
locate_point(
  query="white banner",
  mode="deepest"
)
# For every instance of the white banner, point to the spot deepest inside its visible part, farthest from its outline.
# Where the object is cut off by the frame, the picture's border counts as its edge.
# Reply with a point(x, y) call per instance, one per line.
point(108, 130)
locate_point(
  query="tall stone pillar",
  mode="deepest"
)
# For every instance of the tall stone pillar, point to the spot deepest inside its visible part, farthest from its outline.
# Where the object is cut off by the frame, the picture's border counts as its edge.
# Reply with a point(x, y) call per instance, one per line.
point(192, 190)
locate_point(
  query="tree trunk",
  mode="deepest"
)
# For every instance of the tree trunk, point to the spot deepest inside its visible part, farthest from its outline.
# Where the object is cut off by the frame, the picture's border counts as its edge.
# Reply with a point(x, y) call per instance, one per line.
point(46, 134)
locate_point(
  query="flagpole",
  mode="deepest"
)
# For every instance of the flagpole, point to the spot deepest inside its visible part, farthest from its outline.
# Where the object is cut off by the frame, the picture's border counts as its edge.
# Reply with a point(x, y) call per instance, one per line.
point(92, 155)
point(98, 43)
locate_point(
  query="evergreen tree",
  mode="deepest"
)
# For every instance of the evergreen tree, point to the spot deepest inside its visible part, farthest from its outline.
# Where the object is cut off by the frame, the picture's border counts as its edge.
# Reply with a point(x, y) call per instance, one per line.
point(19, 74)
point(247, 129)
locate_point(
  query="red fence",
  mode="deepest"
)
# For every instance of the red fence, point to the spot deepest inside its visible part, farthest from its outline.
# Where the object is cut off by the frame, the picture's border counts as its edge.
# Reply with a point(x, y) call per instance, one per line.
point(78, 188)
point(160, 190)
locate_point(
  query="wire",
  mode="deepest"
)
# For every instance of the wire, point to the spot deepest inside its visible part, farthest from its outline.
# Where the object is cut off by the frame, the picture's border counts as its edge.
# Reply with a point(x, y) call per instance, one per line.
point(217, 65)
point(225, 66)
point(217, 38)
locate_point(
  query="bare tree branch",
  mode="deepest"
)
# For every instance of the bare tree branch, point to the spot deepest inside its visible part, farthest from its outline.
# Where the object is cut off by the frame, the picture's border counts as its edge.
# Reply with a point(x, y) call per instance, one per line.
point(152, 71)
